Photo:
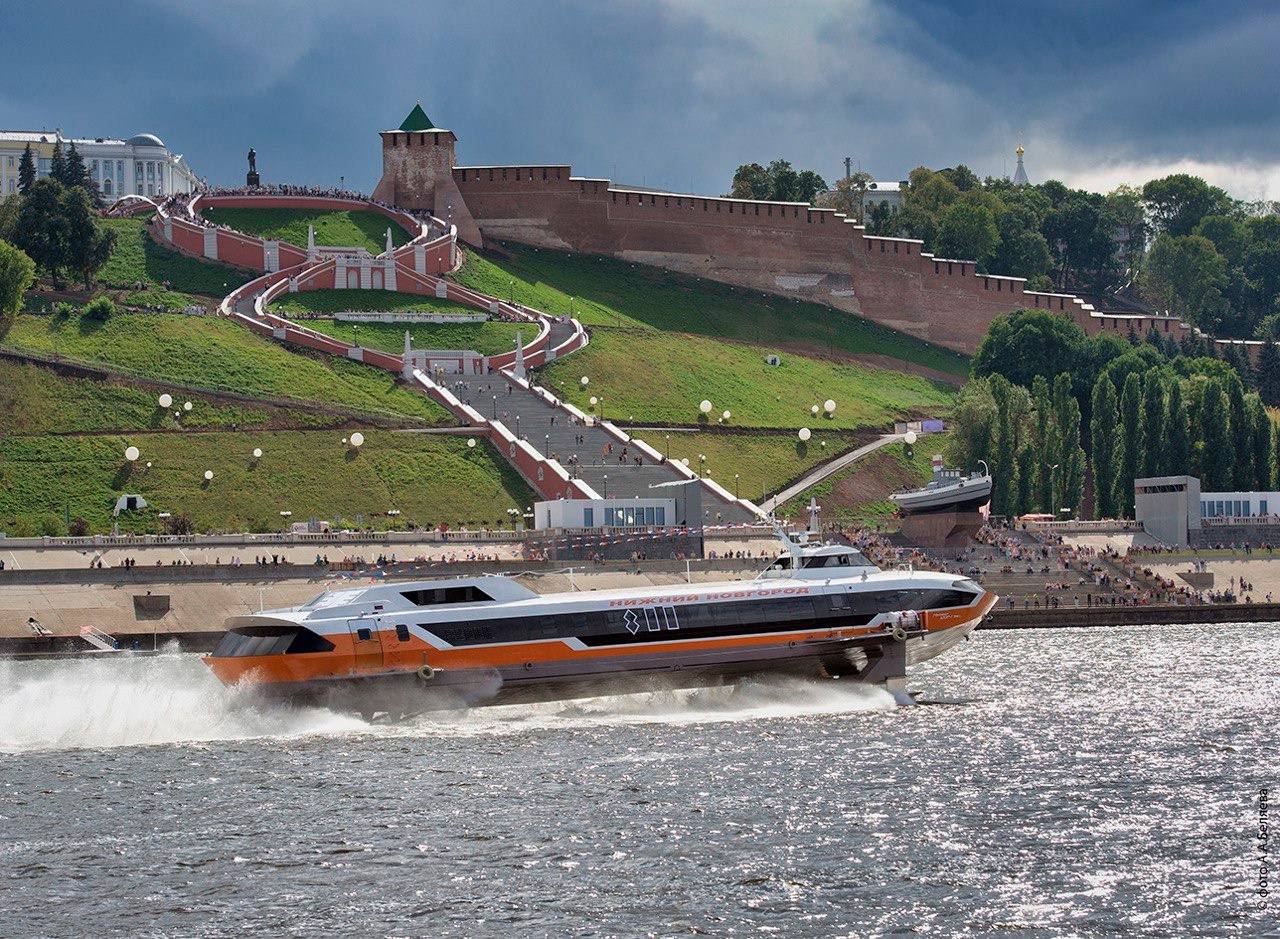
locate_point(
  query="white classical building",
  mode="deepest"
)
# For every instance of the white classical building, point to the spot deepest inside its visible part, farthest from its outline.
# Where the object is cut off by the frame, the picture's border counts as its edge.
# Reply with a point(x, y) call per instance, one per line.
point(141, 165)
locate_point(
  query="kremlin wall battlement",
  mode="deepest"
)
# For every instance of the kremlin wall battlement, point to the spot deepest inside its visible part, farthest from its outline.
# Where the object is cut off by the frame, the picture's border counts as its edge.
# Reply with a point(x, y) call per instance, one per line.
point(789, 249)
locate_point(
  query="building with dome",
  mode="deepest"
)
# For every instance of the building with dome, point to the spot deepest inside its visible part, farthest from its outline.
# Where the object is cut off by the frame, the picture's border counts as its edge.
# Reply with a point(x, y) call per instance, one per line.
point(141, 165)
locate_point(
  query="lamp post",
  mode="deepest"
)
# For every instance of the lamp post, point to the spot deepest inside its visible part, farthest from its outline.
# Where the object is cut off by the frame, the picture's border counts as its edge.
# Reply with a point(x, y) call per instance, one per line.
point(495, 407)
point(602, 407)
point(546, 449)
point(606, 485)
point(355, 334)
point(517, 426)
point(513, 292)
point(667, 452)
point(702, 465)
point(735, 485)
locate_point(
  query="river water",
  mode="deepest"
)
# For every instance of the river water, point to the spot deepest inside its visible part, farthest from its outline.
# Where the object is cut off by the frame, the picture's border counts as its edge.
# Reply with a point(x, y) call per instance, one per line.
point(1095, 782)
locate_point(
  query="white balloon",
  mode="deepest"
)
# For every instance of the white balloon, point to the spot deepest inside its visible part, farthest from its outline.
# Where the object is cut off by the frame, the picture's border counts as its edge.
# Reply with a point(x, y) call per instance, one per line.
point(131, 453)
point(910, 438)
point(186, 406)
point(471, 442)
point(357, 439)
point(208, 474)
point(166, 400)
point(814, 409)
point(586, 380)
point(344, 440)
point(706, 407)
point(829, 405)
point(594, 400)
point(685, 461)
point(805, 433)
point(727, 415)
point(257, 452)
point(148, 464)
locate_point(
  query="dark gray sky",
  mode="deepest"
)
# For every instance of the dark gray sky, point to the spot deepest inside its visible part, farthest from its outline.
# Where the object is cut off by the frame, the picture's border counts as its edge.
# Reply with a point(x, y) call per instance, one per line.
point(672, 93)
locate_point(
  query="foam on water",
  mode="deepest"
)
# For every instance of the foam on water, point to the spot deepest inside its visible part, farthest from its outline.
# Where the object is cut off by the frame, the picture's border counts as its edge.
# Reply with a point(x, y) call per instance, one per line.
point(751, 699)
point(121, 701)
point(129, 700)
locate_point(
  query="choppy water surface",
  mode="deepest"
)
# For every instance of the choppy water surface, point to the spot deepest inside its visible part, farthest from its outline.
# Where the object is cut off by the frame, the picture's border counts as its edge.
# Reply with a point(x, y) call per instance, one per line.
point(1091, 783)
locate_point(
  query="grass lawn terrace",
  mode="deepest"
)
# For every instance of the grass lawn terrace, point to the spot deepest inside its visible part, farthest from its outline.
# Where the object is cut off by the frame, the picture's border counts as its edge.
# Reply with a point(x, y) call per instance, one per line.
point(358, 228)
point(659, 377)
point(211, 352)
point(603, 291)
point(429, 479)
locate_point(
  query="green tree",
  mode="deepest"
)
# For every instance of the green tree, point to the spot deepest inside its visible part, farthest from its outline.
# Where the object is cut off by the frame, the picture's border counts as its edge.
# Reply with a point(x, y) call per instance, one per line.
point(1066, 414)
point(751, 181)
point(58, 163)
point(1177, 435)
point(1262, 434)
point(100, 309)
point(89, 243)
point(1240, 429)
point(808, 185)
point(1022, 250)
point(973, 425)
point(784, 182)
point(1177, 203)
point(41, 229)
point(968, 231)
point(1026, 343)
point(17, 274)
point(962, 178)
point(1269, 374)
point(1103, 434)
point(1188, 276)
point(1130, 445)
point(850, 195)
point(1041, 441)
point(1026, 497)
point(26, 171)
point(1003, 462)
point(1217, 459)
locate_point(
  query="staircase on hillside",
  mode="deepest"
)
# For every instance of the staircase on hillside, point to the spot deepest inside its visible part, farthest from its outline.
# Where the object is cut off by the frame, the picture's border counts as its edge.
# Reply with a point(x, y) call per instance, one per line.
point(598, 454)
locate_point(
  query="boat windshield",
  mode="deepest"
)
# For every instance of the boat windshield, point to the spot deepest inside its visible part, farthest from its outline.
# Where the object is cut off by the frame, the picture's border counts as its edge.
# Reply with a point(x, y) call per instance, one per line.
point(832, 562)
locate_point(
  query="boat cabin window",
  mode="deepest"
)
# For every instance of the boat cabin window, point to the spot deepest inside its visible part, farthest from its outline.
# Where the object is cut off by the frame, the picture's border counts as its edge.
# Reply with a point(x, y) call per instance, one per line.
point(849, 559)
point(402, 632)
point(270, 640)
point(440, 595)
point(782, 564)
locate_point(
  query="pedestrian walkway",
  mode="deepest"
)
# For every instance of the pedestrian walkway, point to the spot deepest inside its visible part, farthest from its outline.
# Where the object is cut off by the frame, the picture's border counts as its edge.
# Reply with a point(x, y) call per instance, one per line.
point(613, 468)
point(827, 469)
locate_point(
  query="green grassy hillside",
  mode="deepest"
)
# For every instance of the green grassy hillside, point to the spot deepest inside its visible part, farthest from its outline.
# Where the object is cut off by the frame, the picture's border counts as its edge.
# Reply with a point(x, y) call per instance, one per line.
point(430, 479)
point(349, 228)
point(137, 258)
point(383, 301)
point(213, 352)
point(38, 401)
point(605, 291)
point(662, 377)
point(860, 493)
point(485, 338)
point(763, 462)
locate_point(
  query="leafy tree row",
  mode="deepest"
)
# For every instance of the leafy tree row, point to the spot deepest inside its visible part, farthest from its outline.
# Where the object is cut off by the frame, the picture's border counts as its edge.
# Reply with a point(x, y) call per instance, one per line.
point(1152, 407)
point(779, 181)
point(58, 228)
point(67, 168)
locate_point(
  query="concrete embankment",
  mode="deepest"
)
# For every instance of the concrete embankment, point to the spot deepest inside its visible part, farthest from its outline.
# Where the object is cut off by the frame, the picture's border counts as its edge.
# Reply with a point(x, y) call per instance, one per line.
point(1155, 615)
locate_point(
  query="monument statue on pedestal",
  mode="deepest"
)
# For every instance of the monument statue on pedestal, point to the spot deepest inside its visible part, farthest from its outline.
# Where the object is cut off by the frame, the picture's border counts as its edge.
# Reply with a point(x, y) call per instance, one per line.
point(251, 178)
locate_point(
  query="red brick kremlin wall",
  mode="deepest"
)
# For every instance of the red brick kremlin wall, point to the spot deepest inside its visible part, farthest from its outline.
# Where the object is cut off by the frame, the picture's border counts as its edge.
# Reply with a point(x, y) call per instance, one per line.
point(782, 248)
